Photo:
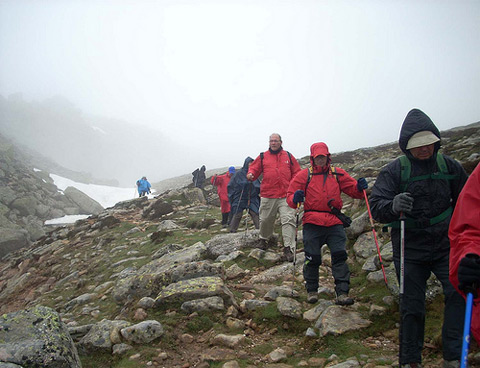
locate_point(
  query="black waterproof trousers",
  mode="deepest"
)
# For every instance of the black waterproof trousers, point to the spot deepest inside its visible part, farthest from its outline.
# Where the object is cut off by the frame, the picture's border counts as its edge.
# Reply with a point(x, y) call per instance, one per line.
point(413, 307)
point(314, 236)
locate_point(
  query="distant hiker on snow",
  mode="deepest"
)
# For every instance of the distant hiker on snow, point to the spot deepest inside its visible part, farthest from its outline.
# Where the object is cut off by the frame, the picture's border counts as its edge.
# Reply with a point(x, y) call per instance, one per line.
point(278, 167)
point(143, 186)
point(423, 185)
point(464, 236)
point(221, 182)
point(243, 194)
point(199, 177)
point(319, 187)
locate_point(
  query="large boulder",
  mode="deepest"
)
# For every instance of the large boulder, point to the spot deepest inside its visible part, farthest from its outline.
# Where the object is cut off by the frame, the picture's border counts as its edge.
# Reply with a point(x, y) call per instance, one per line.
point(36, 338)
point(87, 205)
point(12, 239)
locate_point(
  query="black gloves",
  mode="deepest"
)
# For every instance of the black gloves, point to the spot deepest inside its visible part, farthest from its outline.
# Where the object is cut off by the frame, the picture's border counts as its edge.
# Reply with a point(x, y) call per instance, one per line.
point(469, 273)
point(298, 196)
point(402, 202)
point(362, 184)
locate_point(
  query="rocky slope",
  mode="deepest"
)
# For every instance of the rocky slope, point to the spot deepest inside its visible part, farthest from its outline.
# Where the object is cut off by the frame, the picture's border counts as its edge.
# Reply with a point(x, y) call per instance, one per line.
point(160, 283)
point(28, 197)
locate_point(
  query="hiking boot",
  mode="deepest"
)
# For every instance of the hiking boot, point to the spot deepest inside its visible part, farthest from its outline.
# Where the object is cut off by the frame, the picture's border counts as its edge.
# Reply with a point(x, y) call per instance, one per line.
point(411, 365)
point(263, 244)
point(451, 364)
point(312, 297)
point(287, 254)
point(343, 299)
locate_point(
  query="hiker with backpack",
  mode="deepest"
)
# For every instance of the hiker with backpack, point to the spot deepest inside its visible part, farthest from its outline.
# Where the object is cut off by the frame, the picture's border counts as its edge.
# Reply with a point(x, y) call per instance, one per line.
point(221, 182)
point(464, 234)
point(143, 186)
point(199, 177)
point(278, 168)
point(319, 188)
point(423, 186)
point(244, 195)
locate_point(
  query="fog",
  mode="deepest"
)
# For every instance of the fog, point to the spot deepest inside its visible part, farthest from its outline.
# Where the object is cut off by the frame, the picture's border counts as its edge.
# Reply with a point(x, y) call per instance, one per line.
point(215, 78)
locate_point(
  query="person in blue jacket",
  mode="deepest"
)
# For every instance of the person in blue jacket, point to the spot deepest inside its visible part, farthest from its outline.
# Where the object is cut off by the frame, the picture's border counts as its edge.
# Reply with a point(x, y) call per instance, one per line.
point(243, 194)
point(143, 186)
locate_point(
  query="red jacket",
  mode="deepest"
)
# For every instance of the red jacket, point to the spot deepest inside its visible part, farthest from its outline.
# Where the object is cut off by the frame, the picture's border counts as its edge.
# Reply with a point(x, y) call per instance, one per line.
point(221, 182)
point(324, 185)
point(277, 171)
point(464, 234)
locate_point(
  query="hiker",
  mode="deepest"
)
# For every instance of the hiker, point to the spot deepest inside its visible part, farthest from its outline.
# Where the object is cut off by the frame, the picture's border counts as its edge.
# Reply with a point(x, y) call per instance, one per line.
point(221, 182)
point(424, 186)
point(244, 194)
point(199, 177)
point(319, 187)
point(143, 186)
point(278, 167)
point(464, 236)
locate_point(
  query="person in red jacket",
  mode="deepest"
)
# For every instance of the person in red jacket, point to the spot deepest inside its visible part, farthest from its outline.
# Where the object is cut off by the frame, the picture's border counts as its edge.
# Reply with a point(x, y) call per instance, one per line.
point(221, 182)
point(319, 188)
point(278, 167)
point(464, 234)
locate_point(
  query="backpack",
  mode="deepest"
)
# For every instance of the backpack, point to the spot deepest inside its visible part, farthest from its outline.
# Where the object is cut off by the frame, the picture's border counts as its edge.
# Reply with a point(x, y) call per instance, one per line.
point(289, 157)
point(406, 169)
point(138, 183)
point(405, 179)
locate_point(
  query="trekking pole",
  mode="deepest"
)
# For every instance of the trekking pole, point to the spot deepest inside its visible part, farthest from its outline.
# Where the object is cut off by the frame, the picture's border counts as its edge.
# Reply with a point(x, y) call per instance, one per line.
point(402, 283)
point(295, 246)
point(466, 331)
point(375, 237)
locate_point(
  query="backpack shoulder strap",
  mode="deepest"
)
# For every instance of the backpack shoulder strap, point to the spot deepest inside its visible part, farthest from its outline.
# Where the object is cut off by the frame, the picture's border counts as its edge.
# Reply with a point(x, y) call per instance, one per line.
point(442, 165)
point(290, 158)
point(405, 171)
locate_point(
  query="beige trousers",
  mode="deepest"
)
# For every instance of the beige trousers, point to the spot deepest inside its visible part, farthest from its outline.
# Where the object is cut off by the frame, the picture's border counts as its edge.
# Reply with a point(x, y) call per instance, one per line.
point(268, 213)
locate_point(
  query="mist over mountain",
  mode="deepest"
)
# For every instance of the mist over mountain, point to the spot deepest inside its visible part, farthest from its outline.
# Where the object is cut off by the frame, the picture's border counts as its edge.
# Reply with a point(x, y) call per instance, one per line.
point(108, 149)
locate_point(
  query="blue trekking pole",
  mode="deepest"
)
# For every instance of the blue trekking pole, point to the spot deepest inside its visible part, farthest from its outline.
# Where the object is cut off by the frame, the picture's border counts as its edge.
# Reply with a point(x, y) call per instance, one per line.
point(466, 331)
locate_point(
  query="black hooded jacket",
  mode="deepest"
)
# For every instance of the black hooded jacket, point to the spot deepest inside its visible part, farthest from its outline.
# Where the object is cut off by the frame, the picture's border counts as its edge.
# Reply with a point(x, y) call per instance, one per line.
point(243, 193)
point(431, 196)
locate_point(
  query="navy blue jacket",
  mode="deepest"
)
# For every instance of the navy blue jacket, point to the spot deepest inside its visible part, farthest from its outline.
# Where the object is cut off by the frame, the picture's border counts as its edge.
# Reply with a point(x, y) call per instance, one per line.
point(242, 193)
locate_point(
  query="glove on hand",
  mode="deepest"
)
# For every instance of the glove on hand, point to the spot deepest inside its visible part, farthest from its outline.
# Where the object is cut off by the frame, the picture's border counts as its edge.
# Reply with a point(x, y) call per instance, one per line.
point(402, 202)
point(362, 184)
point(469, 273)
point(298, 196)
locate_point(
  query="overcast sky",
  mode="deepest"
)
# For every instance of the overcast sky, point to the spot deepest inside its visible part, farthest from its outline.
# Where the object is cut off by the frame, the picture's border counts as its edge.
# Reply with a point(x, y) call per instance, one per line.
point(222, 75)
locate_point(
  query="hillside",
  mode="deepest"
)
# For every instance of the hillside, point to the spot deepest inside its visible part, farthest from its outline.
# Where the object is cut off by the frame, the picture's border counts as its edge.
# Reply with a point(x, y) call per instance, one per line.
point(160, 283)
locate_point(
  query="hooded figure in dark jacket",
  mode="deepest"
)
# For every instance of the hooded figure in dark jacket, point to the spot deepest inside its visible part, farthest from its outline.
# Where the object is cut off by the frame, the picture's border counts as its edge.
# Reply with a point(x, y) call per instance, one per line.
point(243, 194)
point(199, 177)
point(427, 198)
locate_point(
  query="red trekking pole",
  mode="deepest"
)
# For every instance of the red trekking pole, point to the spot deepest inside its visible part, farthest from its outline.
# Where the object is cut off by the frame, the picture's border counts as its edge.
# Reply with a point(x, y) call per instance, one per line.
point(375, 237)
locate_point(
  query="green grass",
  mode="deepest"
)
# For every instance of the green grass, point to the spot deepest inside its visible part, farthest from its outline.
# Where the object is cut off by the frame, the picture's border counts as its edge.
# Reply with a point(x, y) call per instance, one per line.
point(199, 323)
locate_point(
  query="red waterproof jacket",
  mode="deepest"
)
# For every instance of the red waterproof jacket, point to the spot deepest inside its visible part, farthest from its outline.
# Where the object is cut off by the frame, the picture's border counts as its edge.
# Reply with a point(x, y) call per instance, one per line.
point(221, 182)
point(323, 186)
point(464, 234)
point(278, 169)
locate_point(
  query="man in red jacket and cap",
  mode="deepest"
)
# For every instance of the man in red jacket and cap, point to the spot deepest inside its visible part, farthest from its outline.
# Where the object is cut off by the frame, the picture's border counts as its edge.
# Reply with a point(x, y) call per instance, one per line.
point(319, 188)
point(464, 234)
point(278, 167)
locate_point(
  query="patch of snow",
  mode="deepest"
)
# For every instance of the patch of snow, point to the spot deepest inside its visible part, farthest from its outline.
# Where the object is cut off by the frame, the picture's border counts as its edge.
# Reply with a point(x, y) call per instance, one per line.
point(105, 195)
point(67, 219)
point(36, 170)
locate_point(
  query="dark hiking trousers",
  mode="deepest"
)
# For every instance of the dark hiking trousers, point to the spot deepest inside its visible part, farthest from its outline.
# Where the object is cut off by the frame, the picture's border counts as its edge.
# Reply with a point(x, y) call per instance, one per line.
point(314, 236)
point(413, 316)
point(235, 222)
